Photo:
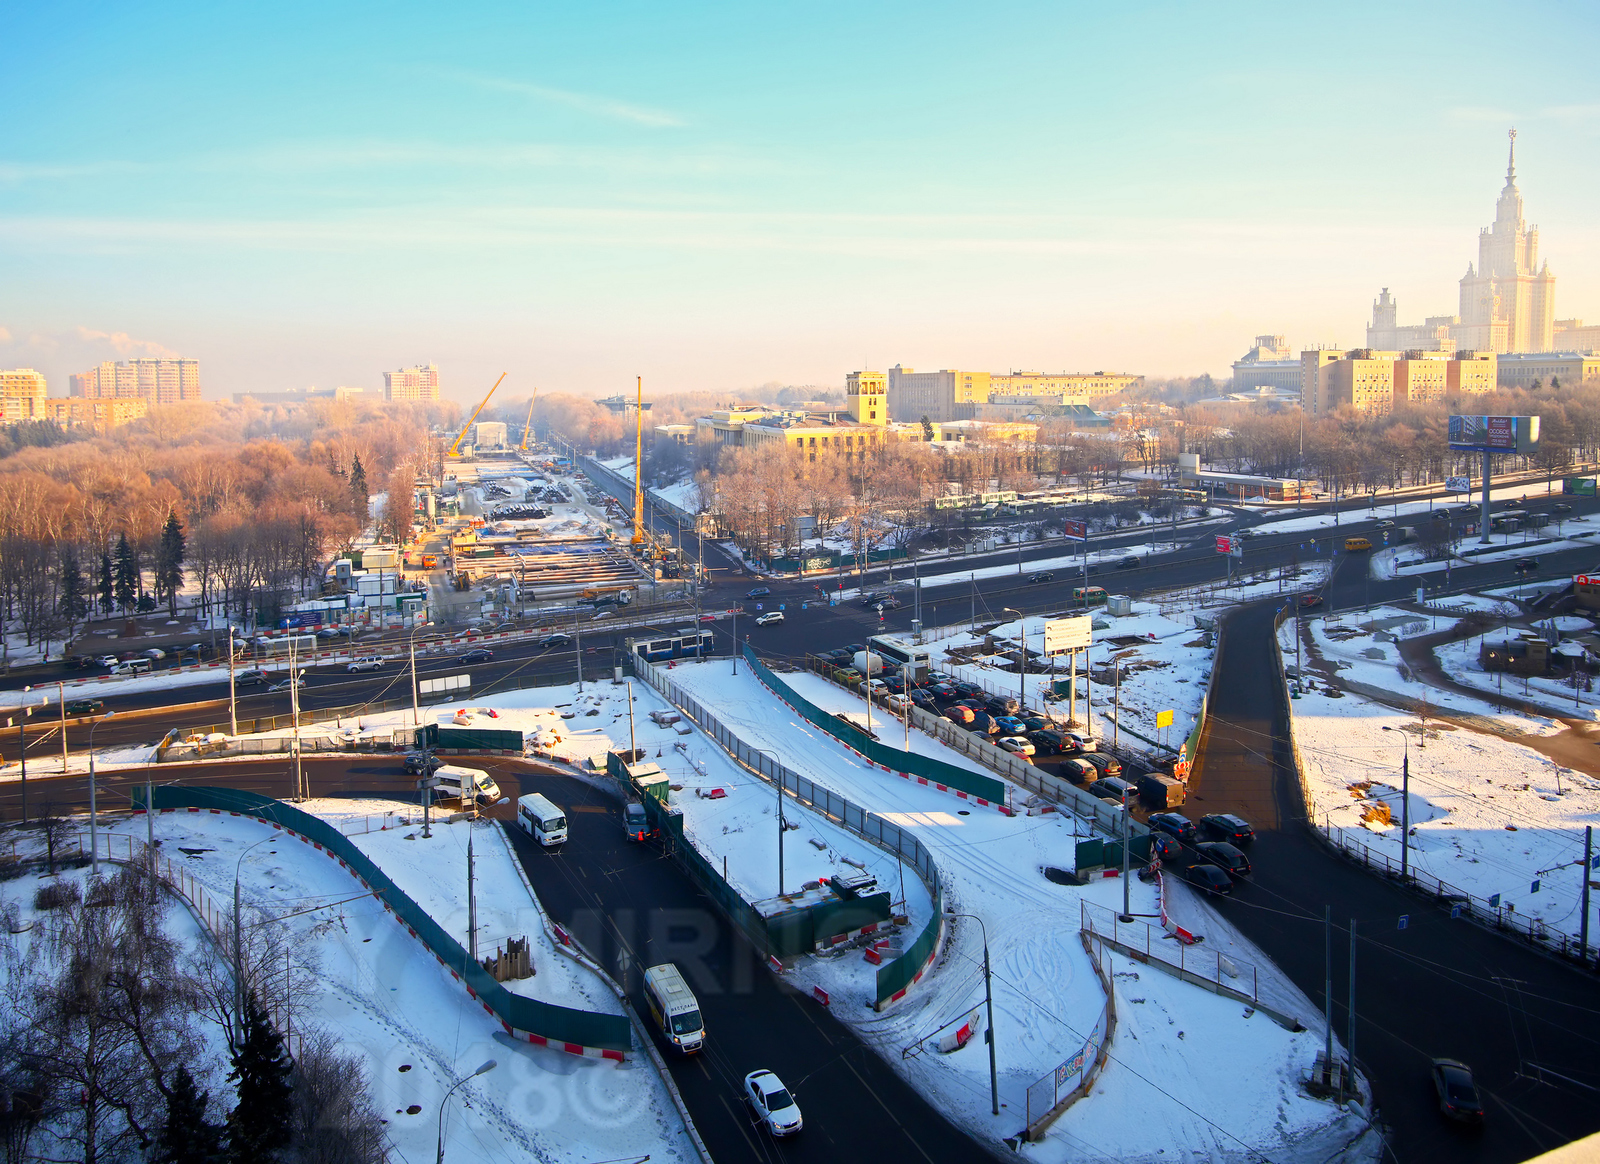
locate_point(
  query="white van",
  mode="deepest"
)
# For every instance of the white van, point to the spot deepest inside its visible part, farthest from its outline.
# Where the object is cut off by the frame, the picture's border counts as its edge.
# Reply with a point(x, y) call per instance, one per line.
point(540, 819)
point(674, 1008)
point(465, 784)
point(132, 667)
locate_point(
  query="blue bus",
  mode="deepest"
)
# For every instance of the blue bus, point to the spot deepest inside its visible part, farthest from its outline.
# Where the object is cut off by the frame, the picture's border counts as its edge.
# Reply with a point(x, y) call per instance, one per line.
point(687, 643)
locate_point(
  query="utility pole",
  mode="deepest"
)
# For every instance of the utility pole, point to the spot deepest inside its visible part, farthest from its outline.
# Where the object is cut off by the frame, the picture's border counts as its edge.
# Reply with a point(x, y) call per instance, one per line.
point(1588, 864)
point(1116, 703)
point(1350, 1017)
point(61, 694)
point(735, 651)
point(1127, 914)
point(22, 745)
point(577, 643)
point(233, 703)
point(1327, 990)
point(1405, 814)
point(777, 782)
point(294, 705)
point(472, 902)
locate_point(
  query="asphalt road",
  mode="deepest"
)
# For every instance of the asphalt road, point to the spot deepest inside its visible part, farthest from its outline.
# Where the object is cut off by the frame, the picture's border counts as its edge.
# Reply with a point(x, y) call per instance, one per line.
point(632, 907)
point(1438, 987)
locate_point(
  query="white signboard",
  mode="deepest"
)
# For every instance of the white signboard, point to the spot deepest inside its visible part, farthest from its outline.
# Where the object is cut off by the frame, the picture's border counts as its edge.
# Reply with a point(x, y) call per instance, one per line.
point(448, 683)
point(1068, 634)
point(1458, 484)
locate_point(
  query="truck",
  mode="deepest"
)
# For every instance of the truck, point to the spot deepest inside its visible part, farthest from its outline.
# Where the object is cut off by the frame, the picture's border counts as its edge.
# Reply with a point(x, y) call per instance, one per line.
point(606, 596)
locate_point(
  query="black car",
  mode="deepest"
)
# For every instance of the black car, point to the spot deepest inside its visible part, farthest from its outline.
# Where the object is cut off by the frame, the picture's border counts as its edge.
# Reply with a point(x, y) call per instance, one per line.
point(1208, 878)
point(1002, 705)
point(1128, 563)
point(1225, 856)
point(983, 723)
point(85, 707)
point(1051, 743)
point(1457, 1091)
point(855, 648)
point(759, 592)
point(1224, 826)
point(883, 604)
point(1562, 508)
point(1526, 565)
point(555, 640)
point(968, 690)
point(1042, 576)
point(923, 700)
point(419, 762)
point(477, 655)
point(1175, 825)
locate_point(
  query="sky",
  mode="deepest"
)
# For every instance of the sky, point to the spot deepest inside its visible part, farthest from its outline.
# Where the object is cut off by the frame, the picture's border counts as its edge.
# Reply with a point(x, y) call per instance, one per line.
point(716, 196)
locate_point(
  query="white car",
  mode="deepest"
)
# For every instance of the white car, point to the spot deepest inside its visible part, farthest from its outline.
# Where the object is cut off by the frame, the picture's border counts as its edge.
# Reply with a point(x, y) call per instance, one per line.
point(286, 685)
point(371, 663)
point(771, 617)
point(896, 702)
point(773, 1104)
point(154, 653)
point(1017, 744)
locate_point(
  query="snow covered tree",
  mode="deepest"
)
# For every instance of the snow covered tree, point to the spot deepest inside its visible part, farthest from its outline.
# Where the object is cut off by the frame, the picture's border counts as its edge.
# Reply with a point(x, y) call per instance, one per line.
point(169, 562)
point(359, 495)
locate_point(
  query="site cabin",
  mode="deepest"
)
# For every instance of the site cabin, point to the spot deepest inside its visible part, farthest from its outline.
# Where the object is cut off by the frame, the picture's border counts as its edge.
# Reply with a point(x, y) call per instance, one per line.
point(541, 820)
point(674, 1009)
point(1090, 595)
point(469, 785)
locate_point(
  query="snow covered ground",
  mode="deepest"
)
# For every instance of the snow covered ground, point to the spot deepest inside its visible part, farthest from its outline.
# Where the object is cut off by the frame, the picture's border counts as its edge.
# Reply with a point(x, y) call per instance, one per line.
point(388, 1001)
point(1354, 509)
point(1489, 816)
point(1046, 993)
point(1460, 661)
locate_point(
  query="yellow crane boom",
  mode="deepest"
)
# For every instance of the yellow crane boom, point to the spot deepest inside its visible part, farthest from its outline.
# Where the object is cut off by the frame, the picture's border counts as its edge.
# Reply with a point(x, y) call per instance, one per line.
point(462, 435)
point(527, 425)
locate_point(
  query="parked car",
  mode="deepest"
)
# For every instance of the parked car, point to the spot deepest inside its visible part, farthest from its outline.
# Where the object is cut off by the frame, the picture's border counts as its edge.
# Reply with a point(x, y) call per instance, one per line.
point(1175, 825)
point(983, 723)
point(1164, 848)
point(772, 1103)
point(1078, 771)
point(249, 678)
point(975, 704)
point(477, 655)
point(85, 707)
point(153, 654)
point(132, 667)
point(896, 703)
point(370, 663)
point(958, 714)
point(1114, 788)
point(942, 691)
point(1561, 508)
point(1107, 766)
point(896, 684)
point(771, 618)
point(758, 592)
point(1035, 723)
point(1051, 743)
point(848, 676)
point(1083, 739)
point(1011, 724)
point(1457, 1091)
point(1208, 878)
point(1225, 856)
point(1042, 576)
point(1002, 705)
point(558, 639)
point(1016, 744)
point(1224, 826)
point(418, 763)
point(923, 700)
point(327, 632)
point(940, 677)
point(968, 690)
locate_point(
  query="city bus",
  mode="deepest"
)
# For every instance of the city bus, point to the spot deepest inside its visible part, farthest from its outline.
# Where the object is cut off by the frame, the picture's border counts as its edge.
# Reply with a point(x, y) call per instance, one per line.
point(899, 651)
point(687, 643)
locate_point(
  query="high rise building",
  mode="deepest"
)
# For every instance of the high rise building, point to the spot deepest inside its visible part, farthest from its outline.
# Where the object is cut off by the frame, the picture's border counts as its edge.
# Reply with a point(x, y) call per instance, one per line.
point(152, 379)
point(22, 393)
point(420, 383)
point(1376, 383)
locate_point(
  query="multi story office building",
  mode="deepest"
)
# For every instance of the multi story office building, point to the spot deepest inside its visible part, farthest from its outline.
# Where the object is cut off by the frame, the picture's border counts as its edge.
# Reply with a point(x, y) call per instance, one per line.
point(154, 380)
point(1270, 364)
point(951, 394)
point(1524, 369)
point(1571, 336)
point(1376, 383)
point(22, 393)
point(420, 383)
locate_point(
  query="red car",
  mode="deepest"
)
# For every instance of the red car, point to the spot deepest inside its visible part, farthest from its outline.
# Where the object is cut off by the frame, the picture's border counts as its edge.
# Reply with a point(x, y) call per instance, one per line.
point(1307, 601)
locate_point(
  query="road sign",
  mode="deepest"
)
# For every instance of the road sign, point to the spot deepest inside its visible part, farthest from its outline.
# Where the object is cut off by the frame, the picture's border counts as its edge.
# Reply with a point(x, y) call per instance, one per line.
point(1076, 530)
point(1458, 484)
point(1534, 888)
point(1068, 634)
point(1455, 910)
point(1494, 902)
point(1164, 718)
point(429, 782)
point(1224, 544)
point(1405, 920)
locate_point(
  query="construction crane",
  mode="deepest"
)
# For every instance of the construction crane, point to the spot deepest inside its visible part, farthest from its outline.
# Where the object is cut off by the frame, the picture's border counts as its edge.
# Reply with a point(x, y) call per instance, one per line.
point(638, 456)
point(527, 425)
point(456, 444)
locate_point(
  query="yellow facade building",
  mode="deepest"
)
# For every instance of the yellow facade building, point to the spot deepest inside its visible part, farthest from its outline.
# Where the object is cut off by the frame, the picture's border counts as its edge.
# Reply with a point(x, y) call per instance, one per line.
point(1375, 383)
point(74, 411)
point(952, 394)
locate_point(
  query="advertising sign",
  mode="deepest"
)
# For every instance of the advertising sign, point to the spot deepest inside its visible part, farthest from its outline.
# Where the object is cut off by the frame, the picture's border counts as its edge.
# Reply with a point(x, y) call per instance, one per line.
point(1494, 434)
point(1164, 718)
point(1077, 530)
point(1458, 484)
point(1578, 487)
point(1224, 544)
point(1068, 634)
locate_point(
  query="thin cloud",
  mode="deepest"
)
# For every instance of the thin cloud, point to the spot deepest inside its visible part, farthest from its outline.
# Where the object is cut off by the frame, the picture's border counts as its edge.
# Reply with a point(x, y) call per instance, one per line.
point(5, 335)
point(124, 344)
point(582, 102)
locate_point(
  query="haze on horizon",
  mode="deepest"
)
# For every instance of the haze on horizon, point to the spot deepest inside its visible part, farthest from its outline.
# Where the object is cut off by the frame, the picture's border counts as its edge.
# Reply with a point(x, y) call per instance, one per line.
point(716, 196)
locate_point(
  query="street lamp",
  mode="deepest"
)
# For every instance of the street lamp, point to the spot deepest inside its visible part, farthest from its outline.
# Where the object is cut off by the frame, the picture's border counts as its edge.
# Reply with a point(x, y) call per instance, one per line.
point(484, 1070)
point(94, 820)
point(411, 650)
point(238, 928)
point(1405, 803)
point(1022, 657)
point(988, 1001)
point(777, 782)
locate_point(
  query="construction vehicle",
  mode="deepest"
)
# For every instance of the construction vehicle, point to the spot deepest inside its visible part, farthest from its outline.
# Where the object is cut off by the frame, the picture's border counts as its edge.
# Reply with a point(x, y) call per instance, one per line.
point(606, 596)
point(455, 445)
point(527, 425)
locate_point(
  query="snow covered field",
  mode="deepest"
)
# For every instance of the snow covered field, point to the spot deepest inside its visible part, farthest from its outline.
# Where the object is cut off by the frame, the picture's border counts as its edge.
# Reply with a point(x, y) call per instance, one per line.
point(1046, 993)
point(389, 1002)
point(1489, 816)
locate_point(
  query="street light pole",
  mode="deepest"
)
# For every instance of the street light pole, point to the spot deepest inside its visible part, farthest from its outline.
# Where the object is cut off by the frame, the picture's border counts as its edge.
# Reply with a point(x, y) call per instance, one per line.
point(94, 821)
point(238, 929)
point(485, 1069)
point(1022, 657)
point(411, 650)
point(1405, 804)
point(988, 1001)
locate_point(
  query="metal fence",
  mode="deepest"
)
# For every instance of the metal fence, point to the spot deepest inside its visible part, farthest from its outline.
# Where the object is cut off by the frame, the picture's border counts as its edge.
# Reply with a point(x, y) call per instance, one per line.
point(1051, 1094)
point(894, 977)
point(1153, 944)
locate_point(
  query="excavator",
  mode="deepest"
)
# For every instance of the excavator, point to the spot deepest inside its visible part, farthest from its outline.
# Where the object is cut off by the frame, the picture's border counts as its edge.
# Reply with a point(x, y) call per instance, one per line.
point(527, 425)
point(455, 446)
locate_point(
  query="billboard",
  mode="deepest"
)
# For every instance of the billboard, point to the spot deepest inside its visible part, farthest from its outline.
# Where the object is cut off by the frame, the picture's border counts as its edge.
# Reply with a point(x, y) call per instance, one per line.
point(1578, 486)
point(1224, 544)
point(1458, 484)
point(1494, 434)
point(1068, 634)
point(1077, 530)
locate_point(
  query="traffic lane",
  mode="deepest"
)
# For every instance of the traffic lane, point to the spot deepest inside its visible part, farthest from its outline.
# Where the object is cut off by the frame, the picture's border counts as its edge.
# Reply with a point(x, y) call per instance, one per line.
point(1422, 982)
point(632, 907)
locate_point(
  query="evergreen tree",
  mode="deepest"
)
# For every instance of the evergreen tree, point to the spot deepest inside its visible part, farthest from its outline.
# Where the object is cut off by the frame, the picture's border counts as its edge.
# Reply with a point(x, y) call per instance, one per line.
point(169, 562)
point(261, 1122)
point(107, 588)
point(188, 1138)
point(74, 602)
point(359, 496)
point(127, 574)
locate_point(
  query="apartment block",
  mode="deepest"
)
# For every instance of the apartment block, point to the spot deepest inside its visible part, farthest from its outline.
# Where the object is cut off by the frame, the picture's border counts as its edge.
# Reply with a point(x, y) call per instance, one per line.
point(420, 383)
point(1522, 369)
point(951, 394)
point(153, 380)
point(22, 393)
point(112, 412)
point(1377, 382)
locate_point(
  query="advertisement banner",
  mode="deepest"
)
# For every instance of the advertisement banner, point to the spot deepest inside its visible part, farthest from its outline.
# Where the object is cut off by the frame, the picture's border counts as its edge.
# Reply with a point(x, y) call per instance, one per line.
point(1494, 434)
point(1458, 484)
point(1578, 487)
point(1077, 530)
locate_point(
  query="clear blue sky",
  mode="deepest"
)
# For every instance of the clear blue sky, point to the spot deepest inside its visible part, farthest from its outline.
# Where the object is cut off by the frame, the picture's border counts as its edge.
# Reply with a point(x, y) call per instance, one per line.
point(714, 196)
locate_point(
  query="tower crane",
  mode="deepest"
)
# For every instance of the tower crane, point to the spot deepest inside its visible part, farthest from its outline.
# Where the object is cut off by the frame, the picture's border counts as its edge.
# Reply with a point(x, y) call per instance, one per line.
point(455, 445)
point(527, 425)
point(638, 456)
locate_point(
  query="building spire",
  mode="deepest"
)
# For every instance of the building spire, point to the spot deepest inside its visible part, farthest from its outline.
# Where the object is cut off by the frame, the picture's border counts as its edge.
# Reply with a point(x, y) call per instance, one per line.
point(1511, 162)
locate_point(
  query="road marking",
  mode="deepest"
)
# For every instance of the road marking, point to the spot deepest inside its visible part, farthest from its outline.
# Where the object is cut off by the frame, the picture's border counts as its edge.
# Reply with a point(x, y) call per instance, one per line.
point(588, 808)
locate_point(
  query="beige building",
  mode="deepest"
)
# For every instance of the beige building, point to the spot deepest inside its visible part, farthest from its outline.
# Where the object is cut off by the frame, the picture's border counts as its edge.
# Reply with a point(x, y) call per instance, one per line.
point(22, 393)
point(681, 435)
point(153, 380)
point(73, 411)
point(1386, 333)
point(1569, 335)
point(867, 397)
point(418, 384)
point(951, 394)
point(1271, 363)
point(1376, 383)
point(1522, 369)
